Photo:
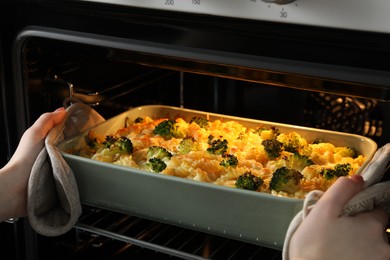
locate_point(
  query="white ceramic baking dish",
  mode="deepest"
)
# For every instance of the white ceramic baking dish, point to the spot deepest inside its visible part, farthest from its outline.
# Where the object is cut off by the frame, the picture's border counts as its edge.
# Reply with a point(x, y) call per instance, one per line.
point(249, 216)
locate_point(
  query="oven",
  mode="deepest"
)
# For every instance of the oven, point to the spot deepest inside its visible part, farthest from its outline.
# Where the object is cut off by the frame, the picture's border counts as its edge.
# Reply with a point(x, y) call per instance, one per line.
point(320, 64)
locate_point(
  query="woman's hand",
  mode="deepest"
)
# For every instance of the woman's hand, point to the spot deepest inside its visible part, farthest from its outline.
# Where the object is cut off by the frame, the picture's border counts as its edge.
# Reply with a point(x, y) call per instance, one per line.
point(15, 174)
point(324, 234)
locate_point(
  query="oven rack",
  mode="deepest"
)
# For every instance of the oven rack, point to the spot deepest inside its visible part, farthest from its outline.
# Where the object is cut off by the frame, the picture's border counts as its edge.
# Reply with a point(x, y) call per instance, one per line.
point(101, 227)
point(94, 96)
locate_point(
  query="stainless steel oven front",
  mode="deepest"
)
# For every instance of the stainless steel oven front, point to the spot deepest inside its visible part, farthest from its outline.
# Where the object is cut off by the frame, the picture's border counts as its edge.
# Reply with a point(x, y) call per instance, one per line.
point(321, 64)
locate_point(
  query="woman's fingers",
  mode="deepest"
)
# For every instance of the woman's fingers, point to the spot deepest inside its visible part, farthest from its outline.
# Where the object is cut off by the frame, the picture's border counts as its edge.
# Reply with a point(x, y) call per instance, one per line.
point(47, 120)
point(33, 138)
point(335, 198)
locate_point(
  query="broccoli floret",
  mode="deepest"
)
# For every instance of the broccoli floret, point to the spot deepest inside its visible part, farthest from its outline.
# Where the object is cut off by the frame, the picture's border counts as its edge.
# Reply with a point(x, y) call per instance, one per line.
point(167, 129)
point(298, 161)
point(291, 142)
point(202, 122)
point(347, 152)
point(110, 140)
point(248, 181)
point(157, 156)
point(125, 144)
point(186, 145)
point(158, 152)
point(156, 164)
point(217, 146)
point(285, 179)
point(272, 147)
point(229, 160)
point(119, 145)
point(270, 133)
point(338, 171)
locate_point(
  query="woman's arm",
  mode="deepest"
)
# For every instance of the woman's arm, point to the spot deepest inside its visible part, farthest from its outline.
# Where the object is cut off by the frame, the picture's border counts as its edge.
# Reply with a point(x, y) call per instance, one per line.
point(324, 234)
point(15, 174)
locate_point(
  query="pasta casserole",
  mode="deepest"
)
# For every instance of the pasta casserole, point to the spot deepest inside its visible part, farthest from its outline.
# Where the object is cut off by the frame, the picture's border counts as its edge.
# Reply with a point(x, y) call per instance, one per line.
point(225, 152)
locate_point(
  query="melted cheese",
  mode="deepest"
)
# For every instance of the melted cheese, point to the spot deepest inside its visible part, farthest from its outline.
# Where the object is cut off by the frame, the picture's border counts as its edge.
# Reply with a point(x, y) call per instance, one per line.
point(244, 143)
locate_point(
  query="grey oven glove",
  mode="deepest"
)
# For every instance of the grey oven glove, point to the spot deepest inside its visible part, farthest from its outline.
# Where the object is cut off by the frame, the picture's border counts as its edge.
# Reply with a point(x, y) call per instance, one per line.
point(53, 203)
point(374, 194)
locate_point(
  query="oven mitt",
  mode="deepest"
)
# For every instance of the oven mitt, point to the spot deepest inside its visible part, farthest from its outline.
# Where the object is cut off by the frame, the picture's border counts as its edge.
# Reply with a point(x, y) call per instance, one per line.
point(53, 203)
point(373, 195)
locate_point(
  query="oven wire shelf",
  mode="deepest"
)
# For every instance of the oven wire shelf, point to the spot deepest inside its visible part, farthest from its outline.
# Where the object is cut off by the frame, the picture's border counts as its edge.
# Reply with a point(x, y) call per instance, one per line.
point(103, 227)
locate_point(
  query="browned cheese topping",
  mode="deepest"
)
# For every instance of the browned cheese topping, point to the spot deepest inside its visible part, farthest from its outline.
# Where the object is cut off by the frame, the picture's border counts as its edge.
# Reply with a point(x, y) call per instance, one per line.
point(225, 153)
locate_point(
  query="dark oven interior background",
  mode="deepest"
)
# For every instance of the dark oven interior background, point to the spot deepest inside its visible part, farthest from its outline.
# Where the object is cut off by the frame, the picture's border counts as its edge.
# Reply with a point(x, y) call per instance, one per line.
point(112, 83)
point(47, 70)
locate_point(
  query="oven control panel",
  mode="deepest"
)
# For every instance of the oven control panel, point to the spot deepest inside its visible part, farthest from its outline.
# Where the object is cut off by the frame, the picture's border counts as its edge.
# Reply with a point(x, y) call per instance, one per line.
point(367, 15)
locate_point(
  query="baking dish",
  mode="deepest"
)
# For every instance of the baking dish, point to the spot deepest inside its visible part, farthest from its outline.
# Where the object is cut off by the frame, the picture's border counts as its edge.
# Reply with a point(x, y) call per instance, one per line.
point(253, 217)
